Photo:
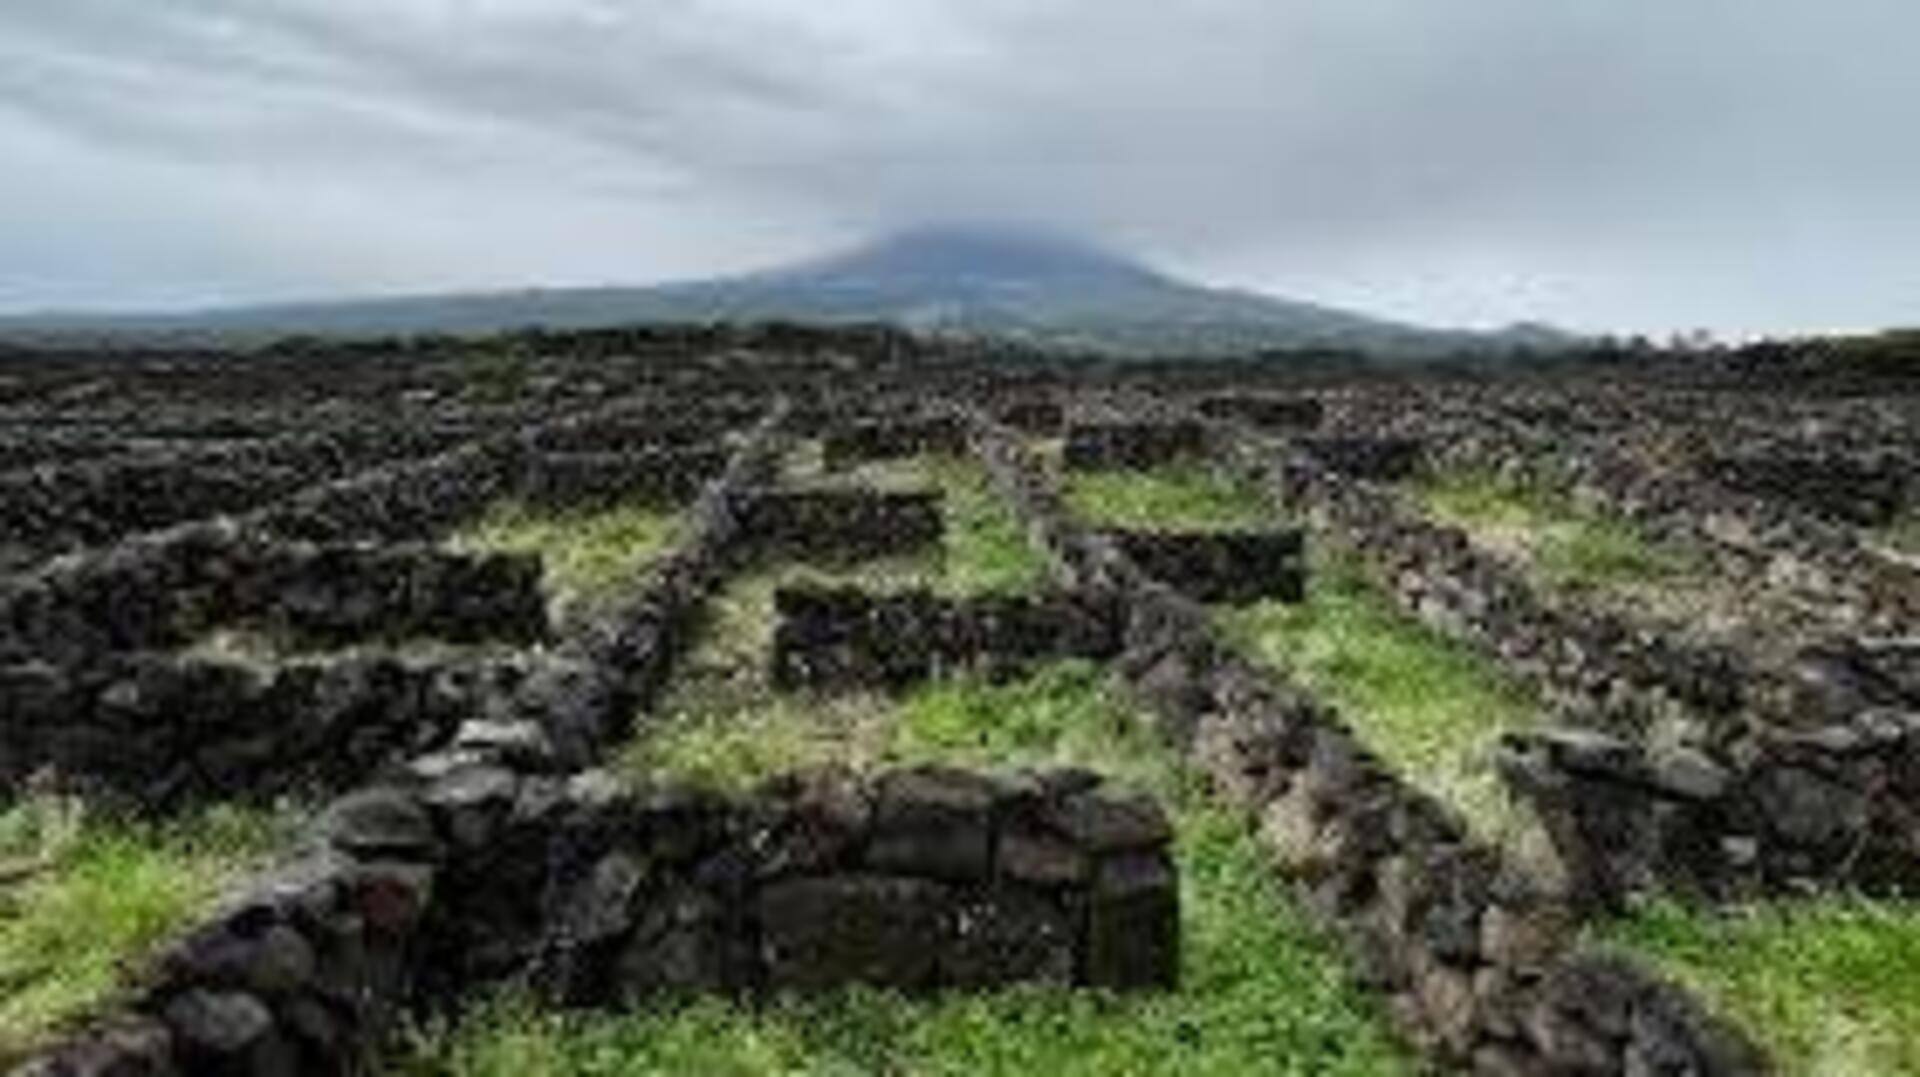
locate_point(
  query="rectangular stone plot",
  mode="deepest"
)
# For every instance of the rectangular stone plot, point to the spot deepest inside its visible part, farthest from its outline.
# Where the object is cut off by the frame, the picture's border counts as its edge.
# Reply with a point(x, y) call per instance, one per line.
point(577, 480)
point(892, 439)
point(918, 879)
point(1120, 444)
point(1867, 490)
point(838, 525)
point(1266, 412)
point(1381, 459)
point(845, 637)
point(1223, 566)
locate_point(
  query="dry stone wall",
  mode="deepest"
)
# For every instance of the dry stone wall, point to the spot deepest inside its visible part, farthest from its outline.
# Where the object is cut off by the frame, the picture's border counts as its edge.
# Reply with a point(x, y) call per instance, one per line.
point(1477, 956)
point(436, 884)
point(847, 638)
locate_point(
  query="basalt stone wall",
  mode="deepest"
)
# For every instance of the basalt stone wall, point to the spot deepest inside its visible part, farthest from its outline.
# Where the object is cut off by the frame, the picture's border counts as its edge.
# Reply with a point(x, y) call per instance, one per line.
point(920, 879)
point(634, 640)
point(1776, 812)
point(413, 500)
point(413, 892)
point(625, 433)
point(578, 480)
point(308, 973)
point(839, 524)
point(1739, 806)
point(1111, 445)
point(313, 969)
point(1593, 664)
point(162, 729)
point(1380, 459)
point(1477, 957)
point(846, 637)
point(1773, 542)
point(1865, 490)
point(161, 592)
point(334, 596)
point(1266, 412)
point(1221, 566)
point(123, 598)
point(1840, 678)
point(847, 445)
point(159, 731)
point(1031, 416)
point(422, 498)
point(50, 509)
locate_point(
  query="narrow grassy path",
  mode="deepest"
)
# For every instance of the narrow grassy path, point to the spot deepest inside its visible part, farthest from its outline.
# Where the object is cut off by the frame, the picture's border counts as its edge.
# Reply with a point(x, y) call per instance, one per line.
point(1430, 707)
point(1902, 535)
point(584, 554)
point(86, 898)
point(1830, 986)
point(984, 549)
point(1187, 495)
point(1568, 546)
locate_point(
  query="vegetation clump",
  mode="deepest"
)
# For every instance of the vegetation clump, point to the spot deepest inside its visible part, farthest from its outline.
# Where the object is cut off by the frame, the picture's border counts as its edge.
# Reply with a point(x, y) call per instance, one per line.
point(1830, 986)
point(1570, 546)
point(1184, 495)
point(85, 897)
point(585, 554)
point(1432, 709)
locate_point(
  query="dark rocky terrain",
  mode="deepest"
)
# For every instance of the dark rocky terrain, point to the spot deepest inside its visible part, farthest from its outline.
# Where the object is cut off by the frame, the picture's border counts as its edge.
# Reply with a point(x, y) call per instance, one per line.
point(478, 832)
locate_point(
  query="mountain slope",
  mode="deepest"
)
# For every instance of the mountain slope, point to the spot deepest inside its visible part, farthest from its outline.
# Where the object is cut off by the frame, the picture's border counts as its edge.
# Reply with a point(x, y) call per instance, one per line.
point(1036, 288)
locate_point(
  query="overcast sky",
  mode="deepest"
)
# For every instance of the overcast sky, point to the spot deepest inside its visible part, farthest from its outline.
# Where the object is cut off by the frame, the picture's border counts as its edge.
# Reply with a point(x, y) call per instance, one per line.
point(1614, 164)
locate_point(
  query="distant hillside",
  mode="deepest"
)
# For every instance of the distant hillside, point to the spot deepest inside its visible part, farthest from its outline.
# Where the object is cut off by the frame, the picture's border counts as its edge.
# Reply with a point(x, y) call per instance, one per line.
point(992, 282)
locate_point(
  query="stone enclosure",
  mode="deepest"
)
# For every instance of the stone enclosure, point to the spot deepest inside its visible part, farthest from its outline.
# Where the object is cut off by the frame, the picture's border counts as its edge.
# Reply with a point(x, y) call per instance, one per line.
point(475, 832)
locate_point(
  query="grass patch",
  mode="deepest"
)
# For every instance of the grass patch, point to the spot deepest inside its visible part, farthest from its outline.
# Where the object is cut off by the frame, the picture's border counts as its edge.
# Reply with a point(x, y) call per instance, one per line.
point(94, 896)
point(987, 549)
point(584, 553)
point(1432, 709)
point(1261, 991)
point(1570, 546)
point(1828, 986)
point(1903, 534)
point(984, 547)
point(1181, 496)
point(730, 735)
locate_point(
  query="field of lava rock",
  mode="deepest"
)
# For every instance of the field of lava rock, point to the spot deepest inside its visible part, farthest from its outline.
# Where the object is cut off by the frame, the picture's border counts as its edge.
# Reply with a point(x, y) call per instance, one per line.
point(790, 701)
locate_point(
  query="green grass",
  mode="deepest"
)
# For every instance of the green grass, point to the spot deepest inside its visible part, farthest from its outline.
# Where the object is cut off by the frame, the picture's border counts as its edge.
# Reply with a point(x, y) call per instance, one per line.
point(1429, 707)
point(93, 896)
point(984, 548)
point(1184, 496)
point(1903, 534)
point(1568, 545)
point(987, 550)
point(730, 735)
point(1830, 987)
point(1261, 991)
point(585, 554)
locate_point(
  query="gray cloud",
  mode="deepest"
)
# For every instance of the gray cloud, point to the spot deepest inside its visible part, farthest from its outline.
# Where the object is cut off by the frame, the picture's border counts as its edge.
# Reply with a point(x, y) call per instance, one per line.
point(1742, 164)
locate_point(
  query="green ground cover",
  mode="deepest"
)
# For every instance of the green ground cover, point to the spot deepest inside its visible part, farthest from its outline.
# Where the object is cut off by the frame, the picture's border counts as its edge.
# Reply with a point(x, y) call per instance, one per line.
point(1829, 986)
point(1187, 495)
point(1431, 708)
point(1903, 534)
point(1261, 991)
point(84, 898)
point(984, 548)
point(585, 554)
point(1569, 545)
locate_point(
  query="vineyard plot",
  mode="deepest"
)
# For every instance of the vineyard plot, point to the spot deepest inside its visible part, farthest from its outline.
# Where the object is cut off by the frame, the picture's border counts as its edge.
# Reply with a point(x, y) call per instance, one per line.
point(785, 700)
